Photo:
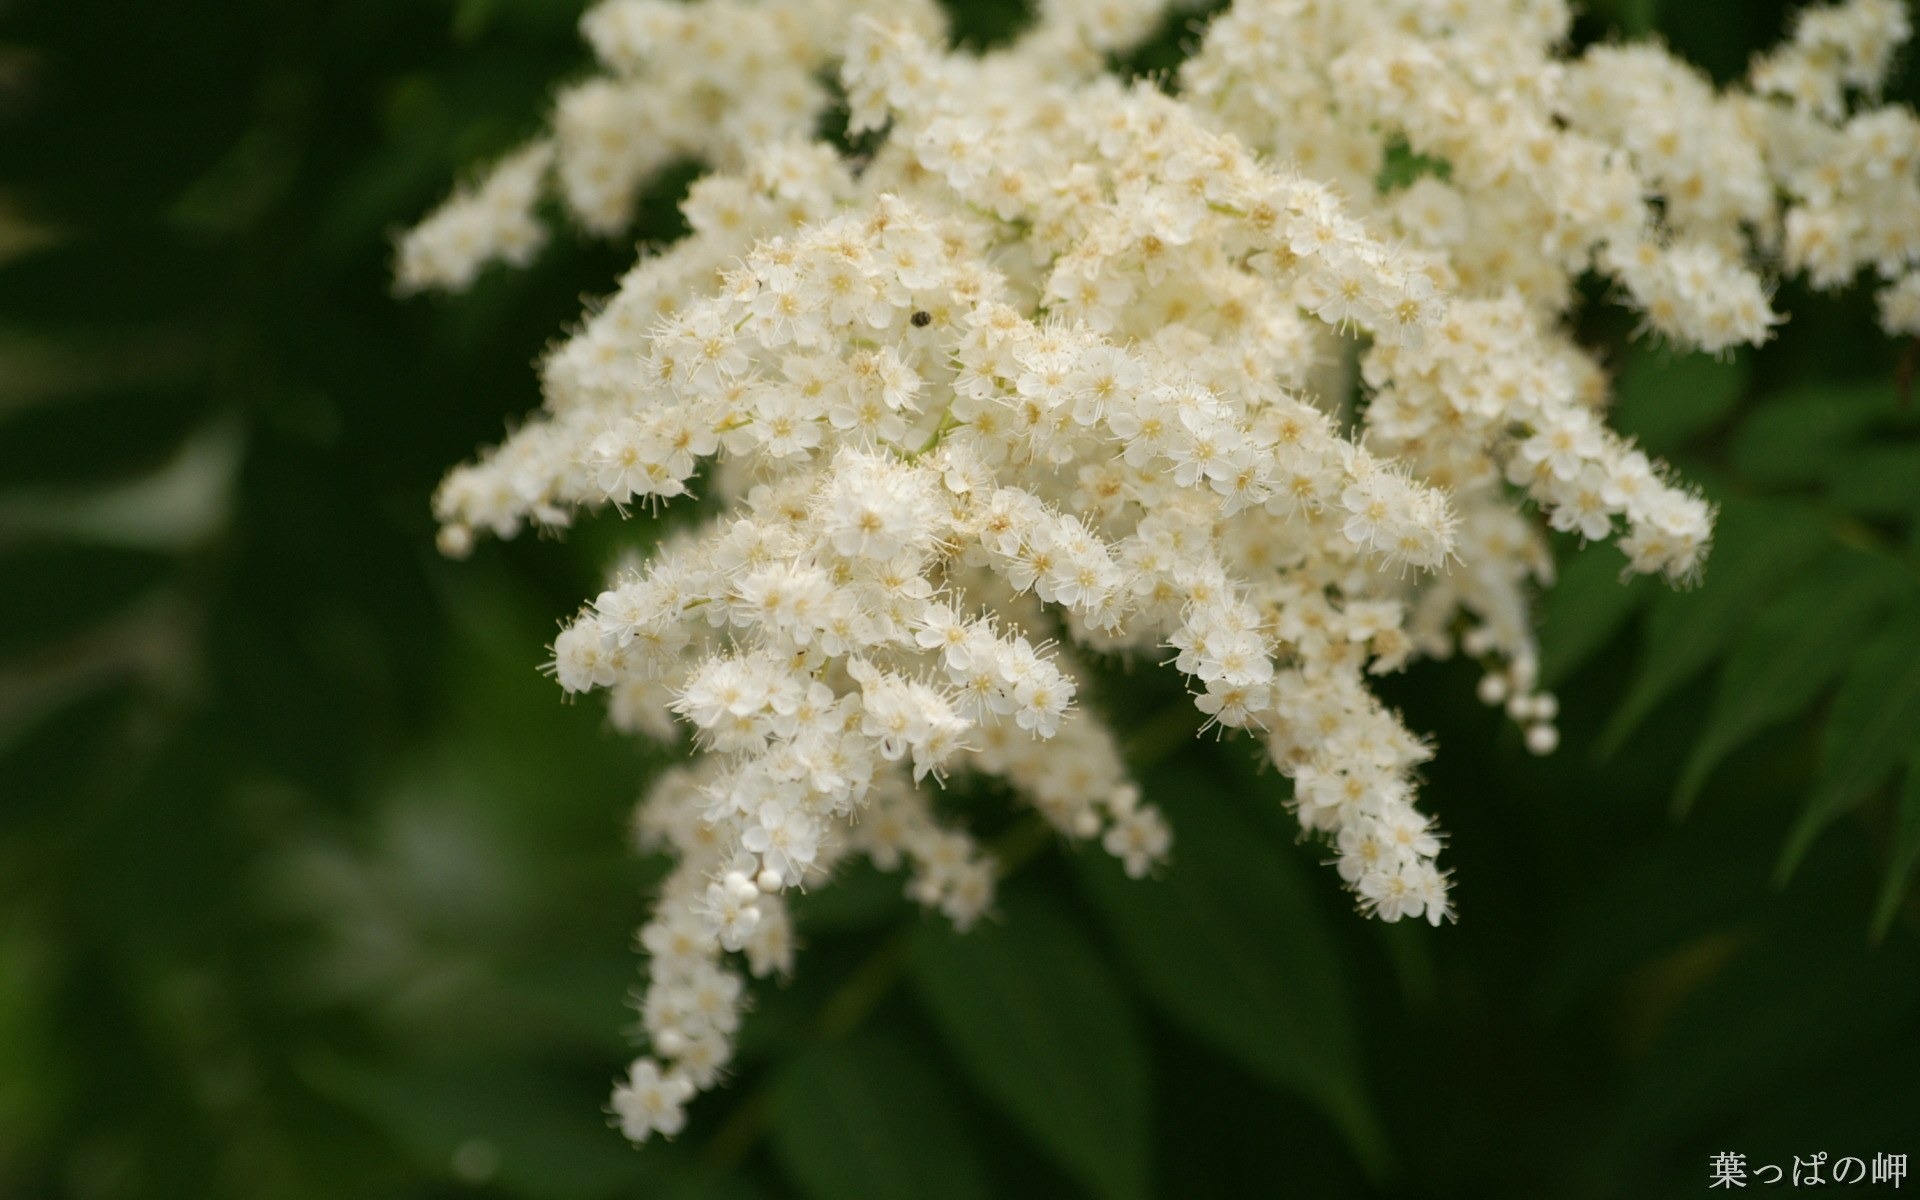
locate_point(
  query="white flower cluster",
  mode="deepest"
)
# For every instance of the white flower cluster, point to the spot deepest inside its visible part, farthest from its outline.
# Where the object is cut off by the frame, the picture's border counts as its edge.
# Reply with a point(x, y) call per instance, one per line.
point(493, 220)
point(1062, 366)
point(713, 80)
point(1624, 160)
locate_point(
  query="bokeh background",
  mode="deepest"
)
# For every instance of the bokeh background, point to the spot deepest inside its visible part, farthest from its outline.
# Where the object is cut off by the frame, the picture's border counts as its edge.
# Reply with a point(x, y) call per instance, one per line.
point(310, 885)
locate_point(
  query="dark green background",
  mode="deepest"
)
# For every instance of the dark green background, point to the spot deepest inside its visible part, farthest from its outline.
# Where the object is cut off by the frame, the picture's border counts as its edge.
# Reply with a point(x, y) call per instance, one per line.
point(310, 886)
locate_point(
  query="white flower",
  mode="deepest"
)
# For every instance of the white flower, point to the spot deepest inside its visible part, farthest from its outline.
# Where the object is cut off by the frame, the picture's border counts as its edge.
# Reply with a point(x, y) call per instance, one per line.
point(786, 839)
point(731, 910)
point(651, 1100)
point(1139, 839)
point(582, 658)
point(874, 509)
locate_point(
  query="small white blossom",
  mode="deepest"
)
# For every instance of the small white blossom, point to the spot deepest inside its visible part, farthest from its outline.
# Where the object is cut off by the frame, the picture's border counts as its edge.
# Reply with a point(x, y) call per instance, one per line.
point(651, 1101)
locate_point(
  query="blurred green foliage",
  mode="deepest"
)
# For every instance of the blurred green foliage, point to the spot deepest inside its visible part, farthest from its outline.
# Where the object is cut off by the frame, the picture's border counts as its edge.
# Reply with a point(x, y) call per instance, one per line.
point(311, 887)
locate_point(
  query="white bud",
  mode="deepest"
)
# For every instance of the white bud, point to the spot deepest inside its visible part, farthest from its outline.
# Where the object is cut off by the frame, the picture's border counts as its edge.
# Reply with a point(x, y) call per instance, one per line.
point(454, 541)
point(1492, 689)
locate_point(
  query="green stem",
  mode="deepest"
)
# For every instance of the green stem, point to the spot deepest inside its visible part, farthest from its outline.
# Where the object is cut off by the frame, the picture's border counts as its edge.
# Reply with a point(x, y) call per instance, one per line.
point(862, 992)
point(947, 425)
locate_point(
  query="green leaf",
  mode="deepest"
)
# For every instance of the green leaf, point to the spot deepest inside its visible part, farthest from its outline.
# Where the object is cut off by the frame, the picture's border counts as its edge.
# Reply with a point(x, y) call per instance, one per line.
point(1766, 1009)
point(1876, 720)
point(1632, 16)
point(872, 1117)
point(125, 434)
point(1906, 852)
point(34, 1094)
point(1231, 945)
point(1645, 902)
point(58, 592)
point(1667, 399)
point(1758, 545)
point(1878, 481)
point(698, 1186)
point(1792, 651)
point(1800, 437)
point(1403, 166)
point(1587, 606)
point(537, 1137)
point(1040, 1025)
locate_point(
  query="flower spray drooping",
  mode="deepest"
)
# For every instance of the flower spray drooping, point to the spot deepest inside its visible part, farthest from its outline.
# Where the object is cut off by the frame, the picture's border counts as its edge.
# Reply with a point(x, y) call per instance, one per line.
point(1059, 367)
